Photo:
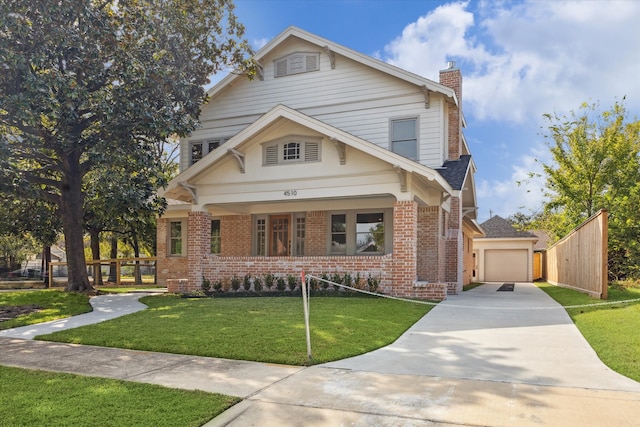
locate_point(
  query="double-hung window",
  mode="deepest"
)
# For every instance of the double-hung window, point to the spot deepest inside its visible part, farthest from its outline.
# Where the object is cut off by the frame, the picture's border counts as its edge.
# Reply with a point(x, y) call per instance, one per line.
point(176, 238)
point(199, 149)
point(404, 137)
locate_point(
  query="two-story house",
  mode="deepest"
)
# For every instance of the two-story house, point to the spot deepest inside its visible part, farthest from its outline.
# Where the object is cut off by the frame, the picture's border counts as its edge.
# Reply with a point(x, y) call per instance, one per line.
point(329, 161)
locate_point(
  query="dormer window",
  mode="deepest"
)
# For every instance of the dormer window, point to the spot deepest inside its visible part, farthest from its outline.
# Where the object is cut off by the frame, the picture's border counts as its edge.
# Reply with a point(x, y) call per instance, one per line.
point(292, 149)
point(296, 63)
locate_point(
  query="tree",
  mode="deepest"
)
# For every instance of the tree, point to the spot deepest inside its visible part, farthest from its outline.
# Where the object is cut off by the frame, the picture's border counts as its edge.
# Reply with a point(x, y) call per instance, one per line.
point(83, 80)
point(596, 165)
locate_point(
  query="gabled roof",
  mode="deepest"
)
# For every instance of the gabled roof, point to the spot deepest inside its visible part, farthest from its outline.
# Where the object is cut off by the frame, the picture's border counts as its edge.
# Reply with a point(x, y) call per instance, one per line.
point(335, 48)
point(497, 227)
point(230, 148)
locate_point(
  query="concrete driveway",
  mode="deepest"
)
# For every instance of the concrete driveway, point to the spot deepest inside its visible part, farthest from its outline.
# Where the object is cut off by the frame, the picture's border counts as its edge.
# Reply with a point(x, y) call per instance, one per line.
point(482, 358)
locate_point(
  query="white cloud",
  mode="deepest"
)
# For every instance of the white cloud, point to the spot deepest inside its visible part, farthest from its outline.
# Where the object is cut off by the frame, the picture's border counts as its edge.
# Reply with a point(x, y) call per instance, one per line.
point(522, 192)
point(520, 61)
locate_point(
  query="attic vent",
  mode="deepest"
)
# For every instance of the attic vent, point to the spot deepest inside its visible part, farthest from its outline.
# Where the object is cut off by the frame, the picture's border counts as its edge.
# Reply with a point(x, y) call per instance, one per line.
point(296, 63)
point(271, 155)
point(311, 152)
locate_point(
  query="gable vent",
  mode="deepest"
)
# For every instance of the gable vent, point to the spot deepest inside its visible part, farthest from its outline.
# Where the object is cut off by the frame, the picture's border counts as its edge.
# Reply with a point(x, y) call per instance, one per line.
point(296, 63)
point(311, 152)
point(271, 155)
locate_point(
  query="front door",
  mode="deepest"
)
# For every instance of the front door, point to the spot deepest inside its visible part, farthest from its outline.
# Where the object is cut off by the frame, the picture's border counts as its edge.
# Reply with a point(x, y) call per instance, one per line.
point(280, 235)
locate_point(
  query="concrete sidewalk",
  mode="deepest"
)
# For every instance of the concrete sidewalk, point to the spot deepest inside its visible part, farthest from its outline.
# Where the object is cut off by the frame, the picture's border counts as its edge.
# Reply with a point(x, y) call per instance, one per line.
point(482, 358)
point(105, 307)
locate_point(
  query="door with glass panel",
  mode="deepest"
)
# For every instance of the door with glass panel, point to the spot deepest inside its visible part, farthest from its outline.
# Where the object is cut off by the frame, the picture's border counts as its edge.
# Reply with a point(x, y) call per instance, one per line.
point(280, 235)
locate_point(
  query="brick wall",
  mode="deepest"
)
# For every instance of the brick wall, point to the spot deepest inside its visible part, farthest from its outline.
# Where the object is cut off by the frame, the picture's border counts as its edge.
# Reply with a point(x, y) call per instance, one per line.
point(167, 267)
point(316, 233)
point(235, 235)
point(453, 78)
point(405, 218)
point(198, 243)
point(428, 257)
point(453, 263)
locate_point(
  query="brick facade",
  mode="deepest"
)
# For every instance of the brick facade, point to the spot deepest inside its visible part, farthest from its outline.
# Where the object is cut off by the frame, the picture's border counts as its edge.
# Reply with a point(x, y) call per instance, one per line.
point(235, 235)
point(168, 267)
point(198, 244)
point(452, 78)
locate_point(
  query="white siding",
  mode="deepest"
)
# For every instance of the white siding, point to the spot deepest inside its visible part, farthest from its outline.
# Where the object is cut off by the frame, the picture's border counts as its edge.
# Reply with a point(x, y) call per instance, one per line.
point(351, 97)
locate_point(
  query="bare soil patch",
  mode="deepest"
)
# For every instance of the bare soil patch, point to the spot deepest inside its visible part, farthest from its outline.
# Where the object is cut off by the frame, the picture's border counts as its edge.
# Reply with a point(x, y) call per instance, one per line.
point(13, 311)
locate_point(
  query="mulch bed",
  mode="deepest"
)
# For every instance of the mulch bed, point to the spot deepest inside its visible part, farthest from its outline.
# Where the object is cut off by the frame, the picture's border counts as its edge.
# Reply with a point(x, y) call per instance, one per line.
point(13, 311)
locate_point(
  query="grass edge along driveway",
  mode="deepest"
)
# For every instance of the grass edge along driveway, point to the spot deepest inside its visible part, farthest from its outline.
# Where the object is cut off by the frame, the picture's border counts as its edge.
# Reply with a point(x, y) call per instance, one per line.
point(611, 330)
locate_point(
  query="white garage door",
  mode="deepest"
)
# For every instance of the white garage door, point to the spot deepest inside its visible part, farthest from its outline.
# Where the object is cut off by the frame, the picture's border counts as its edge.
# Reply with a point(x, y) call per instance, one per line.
point(505, 265)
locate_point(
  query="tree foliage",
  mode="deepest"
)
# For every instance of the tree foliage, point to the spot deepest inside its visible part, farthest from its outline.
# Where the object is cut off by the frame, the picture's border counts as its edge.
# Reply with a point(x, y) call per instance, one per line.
point(596, 165)
point(87, 83)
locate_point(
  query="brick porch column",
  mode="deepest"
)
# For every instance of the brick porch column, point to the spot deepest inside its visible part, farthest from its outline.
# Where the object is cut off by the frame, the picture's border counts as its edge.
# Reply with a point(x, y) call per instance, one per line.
point(454, 251)
point(198, 245)
point(405, 232)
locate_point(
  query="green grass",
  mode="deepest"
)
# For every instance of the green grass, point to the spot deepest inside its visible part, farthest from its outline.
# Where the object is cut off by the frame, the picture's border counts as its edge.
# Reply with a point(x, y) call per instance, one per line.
point(612, 330)
point(38, 398)
point(471, 286)
point(259, 329)
point(55, 305)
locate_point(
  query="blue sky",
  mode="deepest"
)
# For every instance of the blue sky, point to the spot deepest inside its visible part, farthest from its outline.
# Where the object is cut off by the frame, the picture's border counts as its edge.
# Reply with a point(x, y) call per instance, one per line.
point(519, 60)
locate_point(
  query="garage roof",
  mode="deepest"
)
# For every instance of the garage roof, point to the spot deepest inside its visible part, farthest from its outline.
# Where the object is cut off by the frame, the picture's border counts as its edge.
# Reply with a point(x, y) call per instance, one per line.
point(497, 227)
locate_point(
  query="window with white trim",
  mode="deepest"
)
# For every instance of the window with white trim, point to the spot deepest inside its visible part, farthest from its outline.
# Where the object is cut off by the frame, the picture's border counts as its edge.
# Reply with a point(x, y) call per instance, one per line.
point(404, 137)
point(296, 63)
point(215, 236)
point(199, 149)
point(292, 149)
point(176, 237)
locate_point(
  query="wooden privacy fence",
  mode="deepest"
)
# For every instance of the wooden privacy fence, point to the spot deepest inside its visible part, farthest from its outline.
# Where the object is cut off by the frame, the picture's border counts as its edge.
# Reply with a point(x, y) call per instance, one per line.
point(579, 260)
point(117, 271)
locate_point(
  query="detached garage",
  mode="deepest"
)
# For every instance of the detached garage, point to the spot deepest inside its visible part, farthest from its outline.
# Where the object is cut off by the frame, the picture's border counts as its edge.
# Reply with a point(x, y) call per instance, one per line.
point(504, 254)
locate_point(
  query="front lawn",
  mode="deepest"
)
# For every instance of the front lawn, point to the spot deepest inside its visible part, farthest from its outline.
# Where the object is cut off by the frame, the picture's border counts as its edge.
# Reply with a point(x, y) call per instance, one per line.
point(40, 306)
point(612, 330)
point(38, 398)
point(269, 329)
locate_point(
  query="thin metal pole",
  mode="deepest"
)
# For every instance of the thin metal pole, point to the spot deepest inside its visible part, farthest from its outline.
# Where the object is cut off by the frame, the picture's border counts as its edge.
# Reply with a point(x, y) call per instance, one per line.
point(305, 302)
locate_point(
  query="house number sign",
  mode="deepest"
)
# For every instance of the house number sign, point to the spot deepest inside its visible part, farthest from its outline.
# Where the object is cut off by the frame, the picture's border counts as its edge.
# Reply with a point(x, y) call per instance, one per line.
point(290, 193)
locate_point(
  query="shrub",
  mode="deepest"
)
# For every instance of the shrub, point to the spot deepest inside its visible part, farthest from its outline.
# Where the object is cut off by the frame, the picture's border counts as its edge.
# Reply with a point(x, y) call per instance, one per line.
point(337, 280)
point(206, 284)
point(235, 283)
point(313, 284)
point(257, 284)
point(268, 281)
point(280, 284)
point(292, 281)
point(325, 281)
point(217, 285)
point(246, 282)
point(373, 283)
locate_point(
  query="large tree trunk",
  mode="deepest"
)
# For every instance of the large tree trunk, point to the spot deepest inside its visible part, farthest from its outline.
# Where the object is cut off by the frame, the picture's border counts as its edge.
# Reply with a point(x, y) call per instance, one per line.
point(46, 260)
point(71, 212)
point(95, 255)
point(136, 253)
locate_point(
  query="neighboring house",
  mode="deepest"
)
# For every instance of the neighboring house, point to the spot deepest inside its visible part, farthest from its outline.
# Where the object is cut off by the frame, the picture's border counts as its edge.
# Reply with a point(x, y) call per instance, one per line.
point(329, 161)
point(504, 254)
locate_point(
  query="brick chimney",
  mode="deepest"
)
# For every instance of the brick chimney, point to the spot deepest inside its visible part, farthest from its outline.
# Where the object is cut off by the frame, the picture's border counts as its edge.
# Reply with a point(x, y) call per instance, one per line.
point(452, 77)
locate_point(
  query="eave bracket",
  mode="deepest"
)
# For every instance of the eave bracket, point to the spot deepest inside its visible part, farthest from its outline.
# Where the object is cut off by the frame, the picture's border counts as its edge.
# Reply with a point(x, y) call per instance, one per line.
point(402, 175)
point(331, 55)
point(425, 92)
point(192, 191)
point(239, 157)
point(342, 150)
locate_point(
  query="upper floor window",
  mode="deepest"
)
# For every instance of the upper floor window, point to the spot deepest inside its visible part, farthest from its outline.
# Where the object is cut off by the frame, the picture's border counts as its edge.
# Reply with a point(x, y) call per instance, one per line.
point(199, 149)
point(404, 137)
point(296, 63)
point(293, 149)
